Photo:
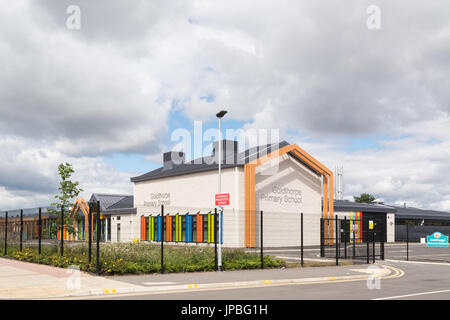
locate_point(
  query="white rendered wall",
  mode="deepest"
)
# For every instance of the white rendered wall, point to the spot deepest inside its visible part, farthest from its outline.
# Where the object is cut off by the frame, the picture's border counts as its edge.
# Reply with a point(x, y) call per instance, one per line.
point(285, 189)
point(192, 193)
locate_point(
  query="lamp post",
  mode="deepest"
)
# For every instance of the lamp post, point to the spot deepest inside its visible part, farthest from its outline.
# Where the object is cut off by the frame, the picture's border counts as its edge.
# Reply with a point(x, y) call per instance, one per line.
point(219, 256)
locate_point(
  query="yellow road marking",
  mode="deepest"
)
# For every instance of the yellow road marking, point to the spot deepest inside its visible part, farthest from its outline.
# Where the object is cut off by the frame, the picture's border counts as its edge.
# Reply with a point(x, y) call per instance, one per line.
point(397, 274)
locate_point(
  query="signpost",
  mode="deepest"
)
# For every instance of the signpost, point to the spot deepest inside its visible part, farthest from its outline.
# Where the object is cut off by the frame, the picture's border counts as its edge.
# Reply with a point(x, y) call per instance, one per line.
point(222, 199)
point(437, 239)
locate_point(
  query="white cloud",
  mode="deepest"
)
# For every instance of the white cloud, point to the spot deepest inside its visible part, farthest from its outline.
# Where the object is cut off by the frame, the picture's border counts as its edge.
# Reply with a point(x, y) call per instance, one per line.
point(310, 68)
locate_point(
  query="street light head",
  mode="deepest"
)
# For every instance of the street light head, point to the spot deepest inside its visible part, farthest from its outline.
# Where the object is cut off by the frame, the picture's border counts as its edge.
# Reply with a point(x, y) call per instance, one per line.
point(221, 114)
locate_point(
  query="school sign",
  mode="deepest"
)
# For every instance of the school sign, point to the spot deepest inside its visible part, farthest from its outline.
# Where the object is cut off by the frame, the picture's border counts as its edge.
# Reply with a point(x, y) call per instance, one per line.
point(437, 239)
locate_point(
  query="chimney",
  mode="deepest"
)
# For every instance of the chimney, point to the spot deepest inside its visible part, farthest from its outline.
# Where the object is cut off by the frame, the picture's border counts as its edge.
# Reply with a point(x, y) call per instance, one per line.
point(229, 151)
point(172, 159)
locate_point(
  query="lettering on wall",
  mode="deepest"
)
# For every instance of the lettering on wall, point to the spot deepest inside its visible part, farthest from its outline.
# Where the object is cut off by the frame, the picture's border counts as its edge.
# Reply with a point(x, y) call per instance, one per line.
point(158, 199)
point(280, 195)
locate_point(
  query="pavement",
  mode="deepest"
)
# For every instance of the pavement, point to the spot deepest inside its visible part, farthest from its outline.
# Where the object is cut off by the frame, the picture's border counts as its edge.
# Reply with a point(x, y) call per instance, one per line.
point(24, 280)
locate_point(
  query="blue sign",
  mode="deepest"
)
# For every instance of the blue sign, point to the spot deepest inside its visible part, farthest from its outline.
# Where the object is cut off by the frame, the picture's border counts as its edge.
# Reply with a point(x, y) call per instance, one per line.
point(437, 239)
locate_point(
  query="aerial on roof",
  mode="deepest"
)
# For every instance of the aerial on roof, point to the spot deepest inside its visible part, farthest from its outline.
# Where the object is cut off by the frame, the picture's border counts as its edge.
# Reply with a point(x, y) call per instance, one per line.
point(231, 158)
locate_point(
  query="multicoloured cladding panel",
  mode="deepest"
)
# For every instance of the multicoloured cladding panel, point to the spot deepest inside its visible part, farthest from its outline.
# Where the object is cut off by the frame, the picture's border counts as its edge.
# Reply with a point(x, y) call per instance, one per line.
point(180, 228)
point(356, 219)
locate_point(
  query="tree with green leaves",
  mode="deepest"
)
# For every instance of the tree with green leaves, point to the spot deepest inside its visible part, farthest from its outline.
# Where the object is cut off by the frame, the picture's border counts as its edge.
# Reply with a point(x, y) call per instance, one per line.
point(365, 198)
point(68, 190)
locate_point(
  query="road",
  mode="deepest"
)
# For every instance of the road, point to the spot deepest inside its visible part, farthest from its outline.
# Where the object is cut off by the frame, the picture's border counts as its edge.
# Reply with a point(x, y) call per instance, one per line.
point(406, 281)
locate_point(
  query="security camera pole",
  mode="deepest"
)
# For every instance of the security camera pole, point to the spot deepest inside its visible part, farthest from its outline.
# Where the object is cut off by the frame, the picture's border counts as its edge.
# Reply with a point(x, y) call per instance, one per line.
point(219, 256)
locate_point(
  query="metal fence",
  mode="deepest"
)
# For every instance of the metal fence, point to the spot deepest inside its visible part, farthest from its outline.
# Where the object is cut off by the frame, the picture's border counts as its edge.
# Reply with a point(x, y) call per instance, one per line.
point(40, 231)
point(358, 239)
point(412, 242)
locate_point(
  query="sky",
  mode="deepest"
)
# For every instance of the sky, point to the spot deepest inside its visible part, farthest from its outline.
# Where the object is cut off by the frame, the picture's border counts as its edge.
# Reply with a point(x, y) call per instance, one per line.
point(108, 96)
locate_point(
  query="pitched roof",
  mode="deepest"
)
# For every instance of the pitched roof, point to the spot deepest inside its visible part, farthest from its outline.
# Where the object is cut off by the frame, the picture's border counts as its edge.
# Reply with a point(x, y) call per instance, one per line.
point(208, 164)
point(346, 205)
point(109, 200)
point(401, 212)
point(416, 213)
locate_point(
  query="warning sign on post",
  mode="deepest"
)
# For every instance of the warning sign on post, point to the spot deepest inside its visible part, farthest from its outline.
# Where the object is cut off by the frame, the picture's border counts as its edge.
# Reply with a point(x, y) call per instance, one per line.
point(222, 199)
point(371, 224)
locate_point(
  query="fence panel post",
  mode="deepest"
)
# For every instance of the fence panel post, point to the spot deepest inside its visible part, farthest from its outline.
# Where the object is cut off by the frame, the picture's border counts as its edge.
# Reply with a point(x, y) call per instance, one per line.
point(407, 241)
point(382, 249)
point(61, 232)
point(345, 237)
point(322, 254)
point(39, 231)
point(6, 233)
point(215, 239)
point(301, 239)
point(90, 232)
point(368, 248)
point(373, 246)
point(336, 231)
point(354, 239)
point(98, 238)
point(262, 240)
point(162, 238)
point(21, 230)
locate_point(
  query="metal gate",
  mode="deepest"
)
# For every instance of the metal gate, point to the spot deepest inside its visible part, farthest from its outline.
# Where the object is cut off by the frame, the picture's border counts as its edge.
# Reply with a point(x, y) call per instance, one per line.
point(357, 239)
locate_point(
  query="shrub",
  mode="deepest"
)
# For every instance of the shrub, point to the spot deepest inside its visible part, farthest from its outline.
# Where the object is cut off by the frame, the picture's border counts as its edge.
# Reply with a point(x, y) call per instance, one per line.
point(137, 258)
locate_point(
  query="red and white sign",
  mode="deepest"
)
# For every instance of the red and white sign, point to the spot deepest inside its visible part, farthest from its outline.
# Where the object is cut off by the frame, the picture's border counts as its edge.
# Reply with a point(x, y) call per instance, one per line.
point(222, 199)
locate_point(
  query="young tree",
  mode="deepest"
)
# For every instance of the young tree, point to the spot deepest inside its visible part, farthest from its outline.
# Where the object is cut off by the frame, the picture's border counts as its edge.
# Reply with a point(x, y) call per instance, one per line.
point(68, 190)
point(365, 197)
